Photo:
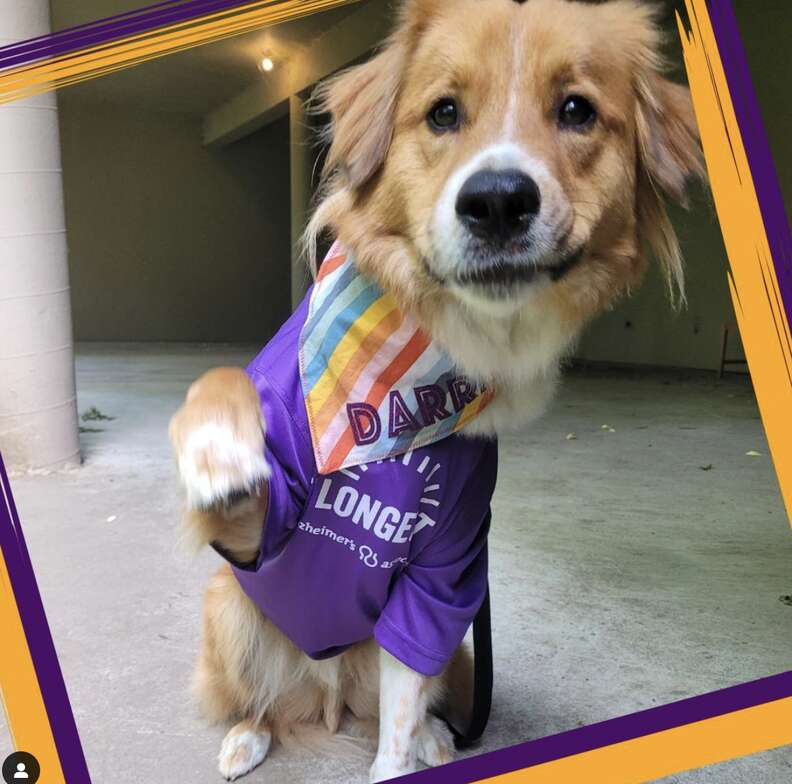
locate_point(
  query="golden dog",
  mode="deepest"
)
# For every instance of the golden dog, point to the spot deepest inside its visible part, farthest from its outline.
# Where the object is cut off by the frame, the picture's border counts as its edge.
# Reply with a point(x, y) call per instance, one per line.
point(500, 168)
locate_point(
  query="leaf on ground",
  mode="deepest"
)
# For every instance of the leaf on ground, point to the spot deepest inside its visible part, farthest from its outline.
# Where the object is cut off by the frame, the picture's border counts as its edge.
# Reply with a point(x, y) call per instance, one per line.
point(707, 467)
point(571, 436)
point(752, 453)
point(93, 414)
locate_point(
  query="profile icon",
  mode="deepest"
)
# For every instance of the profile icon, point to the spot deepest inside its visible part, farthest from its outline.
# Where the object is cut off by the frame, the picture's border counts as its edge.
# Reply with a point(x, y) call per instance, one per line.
point(21, 768)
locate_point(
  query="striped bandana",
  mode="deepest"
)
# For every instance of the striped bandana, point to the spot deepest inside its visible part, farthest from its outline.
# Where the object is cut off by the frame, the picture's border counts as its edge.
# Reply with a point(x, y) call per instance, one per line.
point(375, 385)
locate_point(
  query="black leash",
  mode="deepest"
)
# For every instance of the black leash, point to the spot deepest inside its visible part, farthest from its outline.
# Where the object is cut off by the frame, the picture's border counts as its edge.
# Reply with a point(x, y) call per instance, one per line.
point(482, 674)
point(482, 679)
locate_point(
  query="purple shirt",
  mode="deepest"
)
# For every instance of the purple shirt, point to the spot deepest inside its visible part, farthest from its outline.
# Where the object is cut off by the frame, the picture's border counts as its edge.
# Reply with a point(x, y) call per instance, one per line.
point(396, 549)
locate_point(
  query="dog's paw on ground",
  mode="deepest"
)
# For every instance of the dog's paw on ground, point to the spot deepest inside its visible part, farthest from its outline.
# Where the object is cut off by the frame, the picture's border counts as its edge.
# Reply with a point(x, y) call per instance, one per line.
point(435, 744)
point(243, 749)
point(384, 770)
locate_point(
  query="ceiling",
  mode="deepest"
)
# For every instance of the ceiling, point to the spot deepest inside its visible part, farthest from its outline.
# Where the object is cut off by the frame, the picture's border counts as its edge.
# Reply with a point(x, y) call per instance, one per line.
point(197, 80)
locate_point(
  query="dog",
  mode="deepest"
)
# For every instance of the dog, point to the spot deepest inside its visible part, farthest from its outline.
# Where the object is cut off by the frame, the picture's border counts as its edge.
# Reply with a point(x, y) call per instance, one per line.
point(499, 170)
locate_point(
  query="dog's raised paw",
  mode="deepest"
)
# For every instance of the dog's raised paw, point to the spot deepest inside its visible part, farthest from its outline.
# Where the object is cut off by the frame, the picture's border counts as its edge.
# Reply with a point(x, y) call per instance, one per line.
point(243, 749)
point(219, 468)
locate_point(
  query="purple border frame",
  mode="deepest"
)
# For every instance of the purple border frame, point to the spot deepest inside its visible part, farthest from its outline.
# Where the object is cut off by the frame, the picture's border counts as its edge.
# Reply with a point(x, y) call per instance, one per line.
point(113, 28)
point(609, 732)
point(757, 148)
point(39, 639)
point(522, 755)
point(472, 769)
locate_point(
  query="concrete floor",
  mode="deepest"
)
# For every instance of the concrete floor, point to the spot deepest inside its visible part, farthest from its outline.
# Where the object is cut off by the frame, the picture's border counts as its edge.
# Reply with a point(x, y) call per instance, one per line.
point(623, 574)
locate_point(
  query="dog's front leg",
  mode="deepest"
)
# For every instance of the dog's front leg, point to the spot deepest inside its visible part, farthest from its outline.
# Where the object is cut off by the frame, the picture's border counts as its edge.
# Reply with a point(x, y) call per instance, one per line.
point(218, 438)
point(403, 699)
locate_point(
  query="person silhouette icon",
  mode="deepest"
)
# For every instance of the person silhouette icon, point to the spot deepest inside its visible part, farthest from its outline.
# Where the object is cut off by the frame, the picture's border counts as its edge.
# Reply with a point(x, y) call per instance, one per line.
point(21, 767)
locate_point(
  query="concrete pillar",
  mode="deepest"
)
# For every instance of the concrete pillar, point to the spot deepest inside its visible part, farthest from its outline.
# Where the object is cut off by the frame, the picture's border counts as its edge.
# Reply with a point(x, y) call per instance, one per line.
point(38, 407)
point(300, 163)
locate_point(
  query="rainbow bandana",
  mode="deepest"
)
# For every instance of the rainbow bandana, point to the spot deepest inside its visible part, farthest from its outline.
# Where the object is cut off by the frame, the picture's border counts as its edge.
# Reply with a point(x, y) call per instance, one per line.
point(375, 385)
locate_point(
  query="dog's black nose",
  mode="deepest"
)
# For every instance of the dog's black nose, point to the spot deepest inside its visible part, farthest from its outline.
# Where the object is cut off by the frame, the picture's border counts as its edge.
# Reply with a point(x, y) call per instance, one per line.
point(498, 205)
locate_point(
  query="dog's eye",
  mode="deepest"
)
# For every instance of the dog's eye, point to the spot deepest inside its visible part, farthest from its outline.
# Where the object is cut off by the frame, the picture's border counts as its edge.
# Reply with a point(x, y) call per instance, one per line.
point(576, 112)
point(444, 115)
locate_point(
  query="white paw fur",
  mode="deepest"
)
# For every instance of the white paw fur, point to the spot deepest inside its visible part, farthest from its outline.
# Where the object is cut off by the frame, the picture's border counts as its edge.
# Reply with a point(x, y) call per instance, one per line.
point(215, 463)
point(434, 746)
point(384, 769)
point(435, 743)
point(242, 750)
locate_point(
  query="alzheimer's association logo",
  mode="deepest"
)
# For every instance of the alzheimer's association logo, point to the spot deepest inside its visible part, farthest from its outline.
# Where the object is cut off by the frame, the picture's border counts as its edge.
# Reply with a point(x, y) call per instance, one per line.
point(21, 768)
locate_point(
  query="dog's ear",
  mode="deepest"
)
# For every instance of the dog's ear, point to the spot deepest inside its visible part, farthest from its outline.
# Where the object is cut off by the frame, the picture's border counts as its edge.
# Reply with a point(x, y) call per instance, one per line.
point(668, 138)
point(669, 155)
point(362, 105)
point(362, 99)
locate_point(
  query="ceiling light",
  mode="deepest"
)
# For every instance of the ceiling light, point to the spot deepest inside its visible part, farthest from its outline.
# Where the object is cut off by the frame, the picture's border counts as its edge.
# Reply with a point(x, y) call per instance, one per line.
point(266, 64)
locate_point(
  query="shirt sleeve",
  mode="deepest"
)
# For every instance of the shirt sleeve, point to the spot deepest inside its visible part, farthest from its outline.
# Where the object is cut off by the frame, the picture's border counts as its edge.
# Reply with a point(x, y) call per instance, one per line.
point(437, 595)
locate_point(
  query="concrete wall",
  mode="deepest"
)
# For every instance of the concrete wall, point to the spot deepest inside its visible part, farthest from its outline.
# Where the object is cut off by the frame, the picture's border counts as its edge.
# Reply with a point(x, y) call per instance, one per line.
point(643, 329)
point(169, 240)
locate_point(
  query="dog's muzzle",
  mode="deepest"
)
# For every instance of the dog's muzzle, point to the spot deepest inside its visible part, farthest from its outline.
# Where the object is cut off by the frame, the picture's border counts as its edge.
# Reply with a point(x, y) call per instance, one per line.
point(504, 275)
point(499, 210)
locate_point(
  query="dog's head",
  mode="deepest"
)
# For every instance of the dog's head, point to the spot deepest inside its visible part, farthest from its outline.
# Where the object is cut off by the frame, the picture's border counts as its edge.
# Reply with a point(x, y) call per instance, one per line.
point(513, 157)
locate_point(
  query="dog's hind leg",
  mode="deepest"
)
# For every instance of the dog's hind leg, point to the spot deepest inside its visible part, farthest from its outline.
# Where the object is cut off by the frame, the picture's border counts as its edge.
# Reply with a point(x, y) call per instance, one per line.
point(332, 708)
point(244, 748)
